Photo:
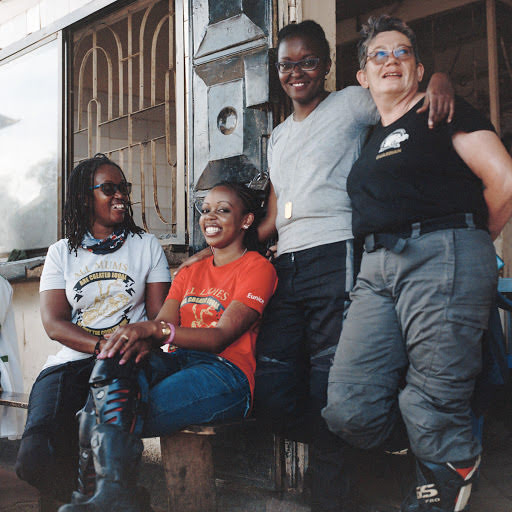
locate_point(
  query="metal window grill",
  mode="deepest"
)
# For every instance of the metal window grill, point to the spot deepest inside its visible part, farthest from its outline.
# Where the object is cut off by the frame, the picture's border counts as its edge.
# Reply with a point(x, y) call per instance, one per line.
point(124, 105)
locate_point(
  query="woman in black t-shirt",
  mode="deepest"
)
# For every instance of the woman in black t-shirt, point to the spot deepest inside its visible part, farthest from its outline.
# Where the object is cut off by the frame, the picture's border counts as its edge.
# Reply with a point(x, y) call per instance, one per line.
point(428, 204)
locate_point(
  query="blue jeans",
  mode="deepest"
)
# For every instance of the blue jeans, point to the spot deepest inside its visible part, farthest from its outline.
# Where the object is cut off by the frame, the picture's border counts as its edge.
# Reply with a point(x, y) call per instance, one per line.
point(182, 388)
point(189, 387)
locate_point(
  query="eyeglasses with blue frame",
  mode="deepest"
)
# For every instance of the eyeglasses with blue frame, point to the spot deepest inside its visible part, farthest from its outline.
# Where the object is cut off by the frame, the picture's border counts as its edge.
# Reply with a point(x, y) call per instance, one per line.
point(380, 56)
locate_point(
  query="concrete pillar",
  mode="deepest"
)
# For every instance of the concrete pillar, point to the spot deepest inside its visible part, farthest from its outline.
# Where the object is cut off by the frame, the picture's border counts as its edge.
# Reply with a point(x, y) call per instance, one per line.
point(324, 13)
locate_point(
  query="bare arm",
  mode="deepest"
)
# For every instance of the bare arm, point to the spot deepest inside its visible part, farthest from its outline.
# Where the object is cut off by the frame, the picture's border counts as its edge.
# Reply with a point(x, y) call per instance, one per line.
point(155, 297)
point(237, 319)
point(440, 97)
point(485, 155)
point(267, 227)
point(56, 317)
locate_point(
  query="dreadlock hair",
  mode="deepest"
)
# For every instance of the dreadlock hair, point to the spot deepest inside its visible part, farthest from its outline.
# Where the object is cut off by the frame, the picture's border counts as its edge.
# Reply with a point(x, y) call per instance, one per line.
point(251, 203)
point(80, 201)
point(309, 29)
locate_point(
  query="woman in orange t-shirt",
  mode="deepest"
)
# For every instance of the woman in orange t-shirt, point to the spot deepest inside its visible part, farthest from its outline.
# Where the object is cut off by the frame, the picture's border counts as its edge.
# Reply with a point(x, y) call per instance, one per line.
point(210, 322)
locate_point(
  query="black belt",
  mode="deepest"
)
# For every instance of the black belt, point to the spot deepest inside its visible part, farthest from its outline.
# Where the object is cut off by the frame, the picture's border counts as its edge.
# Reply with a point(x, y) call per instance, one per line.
point(397, 240)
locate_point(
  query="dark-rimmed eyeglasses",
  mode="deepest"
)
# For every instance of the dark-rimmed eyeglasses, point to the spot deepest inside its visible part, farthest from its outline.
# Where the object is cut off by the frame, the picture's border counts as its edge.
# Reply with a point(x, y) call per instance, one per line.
point(381, 56)
point(109, 189)
point(287, 66)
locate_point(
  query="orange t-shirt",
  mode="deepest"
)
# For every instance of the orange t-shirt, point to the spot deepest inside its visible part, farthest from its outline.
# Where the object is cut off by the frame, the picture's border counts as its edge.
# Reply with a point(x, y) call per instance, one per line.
point(205, 291)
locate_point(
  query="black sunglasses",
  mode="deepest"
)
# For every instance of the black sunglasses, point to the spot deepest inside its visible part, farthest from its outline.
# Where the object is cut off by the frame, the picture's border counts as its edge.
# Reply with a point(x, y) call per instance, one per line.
point(109, 189)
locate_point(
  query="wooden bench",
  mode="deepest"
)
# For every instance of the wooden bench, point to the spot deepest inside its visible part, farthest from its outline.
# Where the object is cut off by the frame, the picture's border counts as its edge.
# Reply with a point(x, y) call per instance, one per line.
point(187, 460)
point(189, 470)
point(19, 400)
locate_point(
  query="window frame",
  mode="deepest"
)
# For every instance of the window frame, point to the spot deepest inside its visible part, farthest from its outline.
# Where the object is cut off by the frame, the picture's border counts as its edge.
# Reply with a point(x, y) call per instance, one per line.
point(62, 29)
point(181, 240)
point(19, 53)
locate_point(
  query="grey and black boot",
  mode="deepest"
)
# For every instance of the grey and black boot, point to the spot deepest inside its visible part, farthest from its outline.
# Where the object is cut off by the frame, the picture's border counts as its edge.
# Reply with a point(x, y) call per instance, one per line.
point(86, 473)
point(116, 456)
point(442, 487)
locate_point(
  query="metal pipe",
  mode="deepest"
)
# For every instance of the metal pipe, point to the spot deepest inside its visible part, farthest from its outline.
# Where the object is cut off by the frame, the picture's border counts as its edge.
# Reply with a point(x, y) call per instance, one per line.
point(492, 54)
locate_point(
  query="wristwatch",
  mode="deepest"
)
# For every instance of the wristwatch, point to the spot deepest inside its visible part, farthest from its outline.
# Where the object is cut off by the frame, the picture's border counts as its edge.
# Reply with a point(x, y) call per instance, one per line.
point(168, 334)
point(166, 330)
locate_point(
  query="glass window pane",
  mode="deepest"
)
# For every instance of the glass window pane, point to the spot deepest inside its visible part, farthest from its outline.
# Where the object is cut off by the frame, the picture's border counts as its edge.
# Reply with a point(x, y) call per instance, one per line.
point(29, 146)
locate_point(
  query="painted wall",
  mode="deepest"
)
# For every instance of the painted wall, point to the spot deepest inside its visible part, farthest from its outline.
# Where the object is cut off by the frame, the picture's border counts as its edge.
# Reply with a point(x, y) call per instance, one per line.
point(34, 344)
point(19, 18)
point(324, 13)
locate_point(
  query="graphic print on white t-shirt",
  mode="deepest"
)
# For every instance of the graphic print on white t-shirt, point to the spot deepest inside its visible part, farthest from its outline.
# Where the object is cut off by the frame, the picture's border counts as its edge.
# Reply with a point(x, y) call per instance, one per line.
point(103, 291)
point(111, 291)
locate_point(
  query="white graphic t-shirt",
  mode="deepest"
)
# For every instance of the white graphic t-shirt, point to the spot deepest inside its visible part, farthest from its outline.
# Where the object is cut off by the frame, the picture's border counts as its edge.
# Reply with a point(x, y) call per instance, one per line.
point(104, 290)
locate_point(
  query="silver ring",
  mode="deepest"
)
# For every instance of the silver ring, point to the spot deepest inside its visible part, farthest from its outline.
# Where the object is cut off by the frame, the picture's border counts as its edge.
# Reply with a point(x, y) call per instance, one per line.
point(124, 337)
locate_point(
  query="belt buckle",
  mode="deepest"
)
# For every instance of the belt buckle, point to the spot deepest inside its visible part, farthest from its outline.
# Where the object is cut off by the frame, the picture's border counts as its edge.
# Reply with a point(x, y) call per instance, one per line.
point(369, 243)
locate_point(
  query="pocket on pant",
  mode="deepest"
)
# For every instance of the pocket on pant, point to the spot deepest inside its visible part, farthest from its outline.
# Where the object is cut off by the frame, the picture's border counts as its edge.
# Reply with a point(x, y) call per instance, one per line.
point(475, 269)
point(457, 357)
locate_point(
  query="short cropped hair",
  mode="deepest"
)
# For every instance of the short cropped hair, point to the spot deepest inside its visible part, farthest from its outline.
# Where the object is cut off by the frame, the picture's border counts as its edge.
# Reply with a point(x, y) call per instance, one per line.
point(383, 23)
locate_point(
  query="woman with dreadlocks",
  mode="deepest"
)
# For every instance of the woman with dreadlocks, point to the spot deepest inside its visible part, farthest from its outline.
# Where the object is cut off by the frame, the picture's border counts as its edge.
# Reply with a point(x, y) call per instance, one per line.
point(210, 319)
point(107, 273)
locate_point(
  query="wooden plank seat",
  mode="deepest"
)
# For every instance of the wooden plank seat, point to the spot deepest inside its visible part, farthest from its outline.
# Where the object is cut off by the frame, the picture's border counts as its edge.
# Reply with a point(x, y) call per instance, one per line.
point(188, 465)
point(186, 457)
point(19, 400)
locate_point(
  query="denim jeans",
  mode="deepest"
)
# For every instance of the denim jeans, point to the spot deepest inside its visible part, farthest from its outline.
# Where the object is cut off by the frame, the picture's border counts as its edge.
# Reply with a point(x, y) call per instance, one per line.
point(48, 453)
point(189, 387)
point(181, 388)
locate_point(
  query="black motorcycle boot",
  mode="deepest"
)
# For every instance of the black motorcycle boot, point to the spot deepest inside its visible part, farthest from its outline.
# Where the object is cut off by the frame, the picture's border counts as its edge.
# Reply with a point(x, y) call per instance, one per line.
point(442, 487)
point(116, 456)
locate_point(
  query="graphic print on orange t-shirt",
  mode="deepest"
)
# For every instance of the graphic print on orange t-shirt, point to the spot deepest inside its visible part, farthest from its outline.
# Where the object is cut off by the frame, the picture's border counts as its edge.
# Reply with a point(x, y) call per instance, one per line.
point(205, 291)
point(206, 306)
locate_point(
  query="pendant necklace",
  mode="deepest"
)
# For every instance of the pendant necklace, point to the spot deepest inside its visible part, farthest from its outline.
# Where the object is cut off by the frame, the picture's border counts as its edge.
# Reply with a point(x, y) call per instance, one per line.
point(288, 205)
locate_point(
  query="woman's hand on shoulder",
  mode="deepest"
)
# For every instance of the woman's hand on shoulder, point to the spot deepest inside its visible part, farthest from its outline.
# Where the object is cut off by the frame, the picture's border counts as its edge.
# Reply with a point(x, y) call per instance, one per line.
point(198, 256)
point(440, 97)
point(133, 340)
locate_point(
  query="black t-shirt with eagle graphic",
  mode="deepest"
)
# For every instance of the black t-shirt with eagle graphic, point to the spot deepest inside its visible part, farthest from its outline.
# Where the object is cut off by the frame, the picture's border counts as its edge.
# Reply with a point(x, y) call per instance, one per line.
point(409, 173)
